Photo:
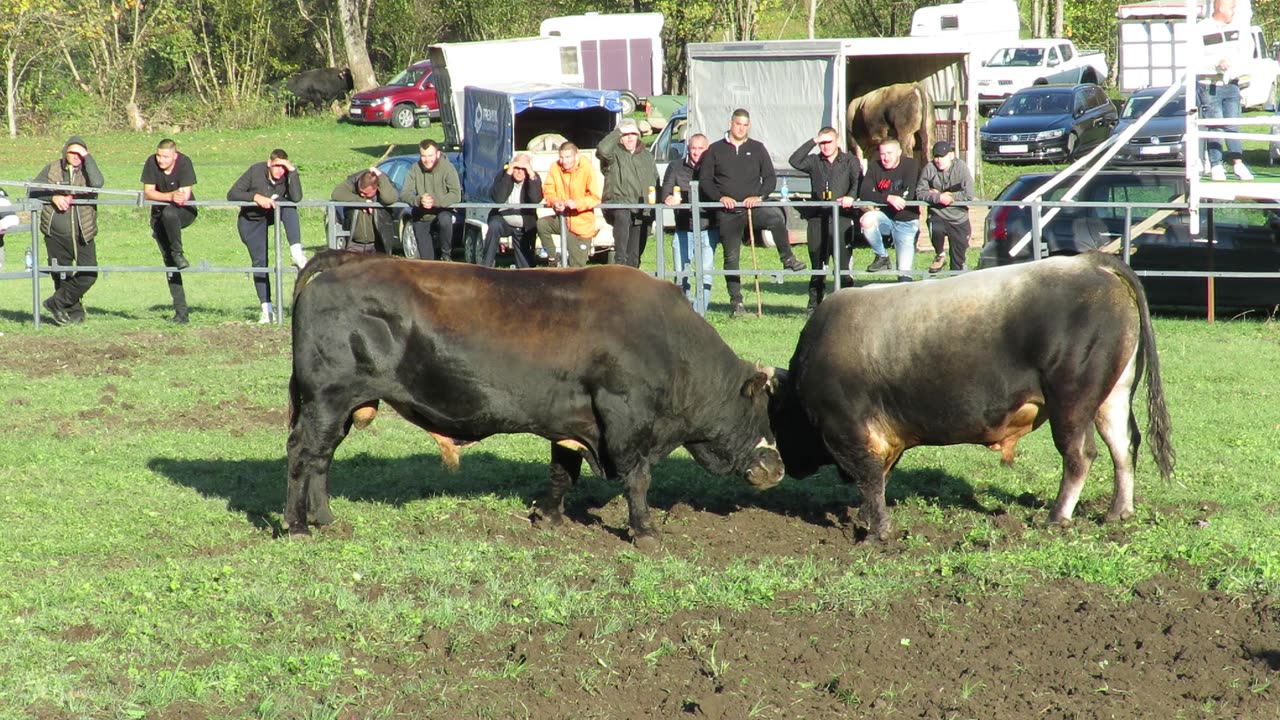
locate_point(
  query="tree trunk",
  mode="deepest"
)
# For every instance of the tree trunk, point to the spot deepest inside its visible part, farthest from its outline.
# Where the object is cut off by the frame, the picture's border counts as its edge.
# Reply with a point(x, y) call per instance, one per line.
point(1058, 18)
point(813, 12)
point(10, 92)
point(353, 40)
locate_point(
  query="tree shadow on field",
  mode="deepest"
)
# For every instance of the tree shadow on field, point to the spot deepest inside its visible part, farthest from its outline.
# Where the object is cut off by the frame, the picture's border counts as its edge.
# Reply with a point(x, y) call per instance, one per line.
point(256, 488)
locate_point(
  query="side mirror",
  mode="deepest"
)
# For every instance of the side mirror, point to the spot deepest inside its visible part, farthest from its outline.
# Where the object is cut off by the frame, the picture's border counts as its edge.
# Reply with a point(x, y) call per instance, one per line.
point(984, 62)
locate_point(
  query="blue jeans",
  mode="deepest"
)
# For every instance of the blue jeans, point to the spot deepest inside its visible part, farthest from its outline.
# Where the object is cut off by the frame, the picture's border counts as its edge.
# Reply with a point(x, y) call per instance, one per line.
point(683, 249)
point(1221, 100)
point(875, 224)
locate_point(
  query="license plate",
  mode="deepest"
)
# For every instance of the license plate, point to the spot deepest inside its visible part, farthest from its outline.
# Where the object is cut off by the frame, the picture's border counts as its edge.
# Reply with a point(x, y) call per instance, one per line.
point(1155, 150)
point(355, 111)
point(1013, 148)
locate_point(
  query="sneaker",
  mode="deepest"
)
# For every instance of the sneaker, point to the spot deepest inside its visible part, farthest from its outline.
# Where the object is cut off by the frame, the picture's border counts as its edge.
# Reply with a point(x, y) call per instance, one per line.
point(1241, 172)
point(938, 261)
point(268, 314)
point(880, 263)
point(794, 264)
point(299, 259)
point(1217, 173)
point(738, 310)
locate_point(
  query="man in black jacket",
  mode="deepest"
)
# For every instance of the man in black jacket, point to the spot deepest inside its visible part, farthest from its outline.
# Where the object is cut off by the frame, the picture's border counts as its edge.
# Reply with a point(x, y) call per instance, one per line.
point(833, 175)
point(263, 184)
point(737, 173)
point(69, 229)
point(676, 191)
point(519, 185)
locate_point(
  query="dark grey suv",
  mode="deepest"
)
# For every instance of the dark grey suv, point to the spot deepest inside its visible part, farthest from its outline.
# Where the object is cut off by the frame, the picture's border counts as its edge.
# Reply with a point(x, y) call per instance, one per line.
point(1245, 239)
point(1048, 123)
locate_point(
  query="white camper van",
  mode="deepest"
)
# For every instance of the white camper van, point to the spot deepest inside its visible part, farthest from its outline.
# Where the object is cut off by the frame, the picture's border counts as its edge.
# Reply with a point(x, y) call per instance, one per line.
point(983, 25)
point(620, 52)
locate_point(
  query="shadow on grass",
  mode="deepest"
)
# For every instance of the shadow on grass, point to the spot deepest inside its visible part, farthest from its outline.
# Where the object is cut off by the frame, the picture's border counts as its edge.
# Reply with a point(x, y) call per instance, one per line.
point(256, 488)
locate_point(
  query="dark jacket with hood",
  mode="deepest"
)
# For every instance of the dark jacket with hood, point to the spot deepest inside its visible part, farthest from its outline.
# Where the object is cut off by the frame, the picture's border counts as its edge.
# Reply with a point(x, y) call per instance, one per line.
point(627, 175)
point(257, 181)
point(840, 177)
point(79, 221)
point(530, 193)
point(680, 175)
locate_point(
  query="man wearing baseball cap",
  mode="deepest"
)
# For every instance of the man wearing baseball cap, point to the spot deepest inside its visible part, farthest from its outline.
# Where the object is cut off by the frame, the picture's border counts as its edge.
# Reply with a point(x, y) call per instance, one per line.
point(69, 229)
point(519, 185)
point(629, 171)
point(944, 183)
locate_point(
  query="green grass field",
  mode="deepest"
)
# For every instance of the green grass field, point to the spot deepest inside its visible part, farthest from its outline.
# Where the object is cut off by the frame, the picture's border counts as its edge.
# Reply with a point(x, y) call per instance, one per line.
point(142, 477)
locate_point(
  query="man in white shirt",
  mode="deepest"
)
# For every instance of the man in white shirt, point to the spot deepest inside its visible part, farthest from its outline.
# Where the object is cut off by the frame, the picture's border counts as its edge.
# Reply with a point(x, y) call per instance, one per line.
point(1223, 70)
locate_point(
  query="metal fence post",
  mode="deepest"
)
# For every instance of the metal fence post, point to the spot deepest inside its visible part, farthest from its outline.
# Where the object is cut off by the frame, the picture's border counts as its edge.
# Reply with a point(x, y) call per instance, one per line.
point(35, 267)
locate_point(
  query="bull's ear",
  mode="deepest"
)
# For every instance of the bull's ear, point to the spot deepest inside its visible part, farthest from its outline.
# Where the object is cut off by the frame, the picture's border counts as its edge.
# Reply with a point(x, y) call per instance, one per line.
point(758, 381)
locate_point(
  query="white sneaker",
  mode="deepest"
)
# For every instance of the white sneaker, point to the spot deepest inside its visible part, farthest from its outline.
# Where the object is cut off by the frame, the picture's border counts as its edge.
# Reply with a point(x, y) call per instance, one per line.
point(299, 259)
point(1217, 173)
point(1241, 172)
point(268, 314)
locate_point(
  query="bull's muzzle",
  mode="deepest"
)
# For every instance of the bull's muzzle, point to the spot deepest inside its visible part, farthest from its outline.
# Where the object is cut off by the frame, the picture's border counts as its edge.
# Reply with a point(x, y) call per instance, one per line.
point(767, 470)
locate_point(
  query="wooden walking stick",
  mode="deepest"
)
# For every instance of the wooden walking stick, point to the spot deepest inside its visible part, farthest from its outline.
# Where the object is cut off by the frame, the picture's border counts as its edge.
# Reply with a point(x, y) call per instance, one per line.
point(755, 267)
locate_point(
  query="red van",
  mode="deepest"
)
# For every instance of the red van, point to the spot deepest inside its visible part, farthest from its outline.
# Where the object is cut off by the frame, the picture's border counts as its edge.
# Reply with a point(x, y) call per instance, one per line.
point(408, 100)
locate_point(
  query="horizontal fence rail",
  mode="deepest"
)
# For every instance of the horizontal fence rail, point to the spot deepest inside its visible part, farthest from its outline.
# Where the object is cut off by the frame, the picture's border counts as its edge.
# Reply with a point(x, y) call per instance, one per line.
point(840, 268)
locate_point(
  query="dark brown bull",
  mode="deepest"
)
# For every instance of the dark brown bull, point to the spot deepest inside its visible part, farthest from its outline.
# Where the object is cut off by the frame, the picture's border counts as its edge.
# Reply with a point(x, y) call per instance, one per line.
point(609, 364)
point(902, 111)
point(982, 358)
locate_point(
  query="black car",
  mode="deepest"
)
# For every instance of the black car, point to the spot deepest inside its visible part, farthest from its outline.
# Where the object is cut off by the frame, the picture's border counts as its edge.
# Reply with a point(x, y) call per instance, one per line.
point(1048, 123)
point(1160, 140)
point(1245, 239)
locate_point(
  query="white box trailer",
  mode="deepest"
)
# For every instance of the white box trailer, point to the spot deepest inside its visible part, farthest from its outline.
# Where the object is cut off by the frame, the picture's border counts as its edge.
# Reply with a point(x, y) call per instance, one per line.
point(793, 88)
point(982, 25)
point(454, 66)
point(620, 51)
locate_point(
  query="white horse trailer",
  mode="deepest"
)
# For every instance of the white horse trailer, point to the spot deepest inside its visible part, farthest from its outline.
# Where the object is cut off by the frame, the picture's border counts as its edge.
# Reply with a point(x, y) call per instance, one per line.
point(620, 52)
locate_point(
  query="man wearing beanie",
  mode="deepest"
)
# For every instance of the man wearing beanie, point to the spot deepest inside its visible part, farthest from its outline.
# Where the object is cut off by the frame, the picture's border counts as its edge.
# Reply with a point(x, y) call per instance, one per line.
point(629, 171)
point(69, 229)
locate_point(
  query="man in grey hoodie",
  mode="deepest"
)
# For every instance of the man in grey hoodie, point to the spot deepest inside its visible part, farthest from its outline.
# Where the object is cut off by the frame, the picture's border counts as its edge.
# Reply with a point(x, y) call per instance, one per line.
point(943, 183)
point(69, 229)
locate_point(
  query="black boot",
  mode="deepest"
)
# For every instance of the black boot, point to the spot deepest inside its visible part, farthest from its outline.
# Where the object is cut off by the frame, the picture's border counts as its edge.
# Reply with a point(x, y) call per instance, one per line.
point(816, 293)
point(179, 295)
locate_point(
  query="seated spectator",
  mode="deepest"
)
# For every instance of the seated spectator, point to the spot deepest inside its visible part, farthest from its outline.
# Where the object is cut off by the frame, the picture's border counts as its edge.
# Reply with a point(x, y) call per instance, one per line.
point(519, 185)
point(890, 182)
point(572, 190)
point(431, 189)
point(371, 229)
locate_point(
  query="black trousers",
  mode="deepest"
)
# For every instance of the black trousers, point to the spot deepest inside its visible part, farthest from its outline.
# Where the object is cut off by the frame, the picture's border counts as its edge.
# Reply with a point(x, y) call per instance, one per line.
point(733, 227)
point(70, 287)
point(630, 234)
point(439, 224)
point(822, 245)
point(166, 228)
point(255, 235)
point(942, 231)
point(522, 248)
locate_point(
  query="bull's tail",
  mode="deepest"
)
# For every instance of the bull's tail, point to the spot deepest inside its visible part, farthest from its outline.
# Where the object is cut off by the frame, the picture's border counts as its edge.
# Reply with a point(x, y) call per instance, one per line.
point(1159, 426)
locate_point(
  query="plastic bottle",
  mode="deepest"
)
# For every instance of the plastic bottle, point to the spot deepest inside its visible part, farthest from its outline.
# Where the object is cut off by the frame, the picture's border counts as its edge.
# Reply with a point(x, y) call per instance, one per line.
point(675, 193)
point(27, 263)
point(785, 191)
point(652, 195)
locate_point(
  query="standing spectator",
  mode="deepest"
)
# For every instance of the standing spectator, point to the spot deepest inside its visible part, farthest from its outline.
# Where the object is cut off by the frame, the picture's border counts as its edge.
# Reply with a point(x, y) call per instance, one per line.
point(890, 182)
point(263, 184)
point(7, 220)
point(680, 175)
point(519, 185)
point(833, 175)
point(69, 229)
point(573, 191)
point(431, 189)
point(1224, 67)
point(167, 178)
point(629, 171)
point(737, 172)
point(943, 183)
point(371, 228)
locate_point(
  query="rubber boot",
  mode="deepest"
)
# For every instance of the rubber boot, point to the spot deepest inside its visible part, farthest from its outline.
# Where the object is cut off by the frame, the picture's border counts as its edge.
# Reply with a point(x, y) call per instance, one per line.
point(179, 295)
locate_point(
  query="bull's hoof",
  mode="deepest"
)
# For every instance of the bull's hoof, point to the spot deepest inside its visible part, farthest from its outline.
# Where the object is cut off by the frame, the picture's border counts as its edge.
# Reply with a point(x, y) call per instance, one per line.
point(1063, 523)
point(648, 542)
point(541, 517)
point(1119, 515)
point(299, 530)
point(320, 517)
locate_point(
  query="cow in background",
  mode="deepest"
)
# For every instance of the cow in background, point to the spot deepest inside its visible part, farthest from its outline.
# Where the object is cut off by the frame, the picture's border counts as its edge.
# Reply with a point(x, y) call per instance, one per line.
point(317, 88)
point(902, 111)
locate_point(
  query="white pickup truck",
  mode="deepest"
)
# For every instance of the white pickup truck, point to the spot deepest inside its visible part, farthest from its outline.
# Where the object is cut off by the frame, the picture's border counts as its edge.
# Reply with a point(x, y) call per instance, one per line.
point(1036, 62)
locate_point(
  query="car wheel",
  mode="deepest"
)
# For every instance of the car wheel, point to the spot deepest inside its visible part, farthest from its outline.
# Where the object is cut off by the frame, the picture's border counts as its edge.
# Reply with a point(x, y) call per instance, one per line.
point(1072, 141)
point(403, 117)
point(409, 241)
point(629, 103)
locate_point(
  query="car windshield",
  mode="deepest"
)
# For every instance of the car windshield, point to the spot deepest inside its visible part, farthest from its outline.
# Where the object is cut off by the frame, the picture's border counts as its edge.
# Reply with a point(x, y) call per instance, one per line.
point(407, 78)
point(1138, 105)
point(1016, 57)
point(1037, 104)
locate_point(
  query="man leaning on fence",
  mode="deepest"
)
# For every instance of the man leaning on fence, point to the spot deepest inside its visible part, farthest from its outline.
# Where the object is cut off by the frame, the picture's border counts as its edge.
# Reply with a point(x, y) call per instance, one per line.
point(943, 183)
point(677, 190)
point(890, 182)
point(431, 189)
point(167, 178)
point(629, 171)
point(69, 229)
point(572, 190)
point(371, 227)
point(834, 175)
point(263, 184)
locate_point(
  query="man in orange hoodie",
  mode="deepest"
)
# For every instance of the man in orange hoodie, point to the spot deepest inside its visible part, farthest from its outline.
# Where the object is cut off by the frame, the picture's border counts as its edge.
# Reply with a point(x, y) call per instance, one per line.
point(572, 190)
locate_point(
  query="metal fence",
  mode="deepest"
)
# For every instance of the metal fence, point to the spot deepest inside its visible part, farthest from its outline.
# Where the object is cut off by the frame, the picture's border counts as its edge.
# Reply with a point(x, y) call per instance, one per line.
point(279, 268)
